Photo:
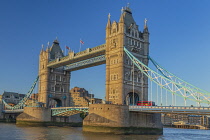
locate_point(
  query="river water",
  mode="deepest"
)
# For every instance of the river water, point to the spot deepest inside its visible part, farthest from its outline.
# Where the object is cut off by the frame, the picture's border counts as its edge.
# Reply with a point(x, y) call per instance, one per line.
point(9, 131)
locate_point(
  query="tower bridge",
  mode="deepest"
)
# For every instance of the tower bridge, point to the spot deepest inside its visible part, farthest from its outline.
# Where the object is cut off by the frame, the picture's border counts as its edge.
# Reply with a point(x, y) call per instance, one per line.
point(55, 68)
point(128, 78)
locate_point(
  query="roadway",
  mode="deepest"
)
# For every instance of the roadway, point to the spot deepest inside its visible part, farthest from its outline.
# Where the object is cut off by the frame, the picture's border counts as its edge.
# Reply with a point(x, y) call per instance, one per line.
point(150, 109)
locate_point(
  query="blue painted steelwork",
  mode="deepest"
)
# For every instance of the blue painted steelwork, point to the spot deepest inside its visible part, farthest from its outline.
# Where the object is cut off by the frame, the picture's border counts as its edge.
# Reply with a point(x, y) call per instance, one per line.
point(13, 111)
point(171, 83)
point(154, 109)
point(173, 77)
point(85, 63)
point(172, 109)
point(59, 110)
point(21, 104)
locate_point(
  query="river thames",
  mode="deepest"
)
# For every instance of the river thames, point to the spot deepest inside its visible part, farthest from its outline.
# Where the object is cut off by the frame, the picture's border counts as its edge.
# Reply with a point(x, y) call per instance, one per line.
point(10, 131)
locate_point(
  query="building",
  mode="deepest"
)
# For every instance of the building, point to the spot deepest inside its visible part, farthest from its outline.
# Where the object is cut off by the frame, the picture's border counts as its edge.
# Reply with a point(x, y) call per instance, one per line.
point(81, 97)
point(0, 99)
point(32, 100)
point(120, 77)
point(170, 119)
point(53, 82)
point(12, 98)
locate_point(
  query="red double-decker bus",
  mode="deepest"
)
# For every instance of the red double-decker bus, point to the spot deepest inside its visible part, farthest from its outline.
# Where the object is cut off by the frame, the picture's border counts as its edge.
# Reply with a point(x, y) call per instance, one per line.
point(145, 103)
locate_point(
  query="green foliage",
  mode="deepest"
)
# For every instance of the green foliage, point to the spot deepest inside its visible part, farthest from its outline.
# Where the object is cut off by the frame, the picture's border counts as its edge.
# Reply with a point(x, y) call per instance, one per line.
point(83, 115)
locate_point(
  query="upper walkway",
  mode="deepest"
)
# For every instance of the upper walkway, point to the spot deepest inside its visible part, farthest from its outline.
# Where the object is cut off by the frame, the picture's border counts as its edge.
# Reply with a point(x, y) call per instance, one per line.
point(73, 58)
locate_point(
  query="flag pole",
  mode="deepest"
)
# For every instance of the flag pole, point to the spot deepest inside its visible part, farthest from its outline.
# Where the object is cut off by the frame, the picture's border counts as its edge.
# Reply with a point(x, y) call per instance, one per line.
point(65, 50)
point(80, 45)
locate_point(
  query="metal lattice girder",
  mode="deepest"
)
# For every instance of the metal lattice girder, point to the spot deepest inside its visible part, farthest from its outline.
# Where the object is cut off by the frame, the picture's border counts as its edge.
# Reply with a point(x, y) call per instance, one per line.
point(172, 85)
point(59, 110)
point(13, 111)
point(21, 104)
point(86, 63)
point(173, 77)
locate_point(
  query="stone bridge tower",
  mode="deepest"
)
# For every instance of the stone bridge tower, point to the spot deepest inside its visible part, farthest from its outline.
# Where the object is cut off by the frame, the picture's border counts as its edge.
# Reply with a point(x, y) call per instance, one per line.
point(119, 72)
point(53, 82)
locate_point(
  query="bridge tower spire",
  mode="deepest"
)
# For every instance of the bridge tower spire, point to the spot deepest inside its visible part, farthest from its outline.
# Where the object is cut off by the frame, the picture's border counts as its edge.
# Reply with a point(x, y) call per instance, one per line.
point(108, 26)
point(119, 73)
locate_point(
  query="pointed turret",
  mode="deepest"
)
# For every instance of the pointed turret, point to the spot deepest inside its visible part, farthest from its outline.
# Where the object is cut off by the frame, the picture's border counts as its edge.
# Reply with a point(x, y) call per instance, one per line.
point(146, 31)
point(42, 49)
point(145, 26)
point(55, 50)
point(146, 38)
point(121, 22)
point(108, 26)
point(122, 17)
point(126, 17)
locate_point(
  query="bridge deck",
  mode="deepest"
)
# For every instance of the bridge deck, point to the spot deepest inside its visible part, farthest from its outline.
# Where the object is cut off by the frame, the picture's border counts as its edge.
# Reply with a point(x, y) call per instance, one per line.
point(149, 109)
point(172, 109)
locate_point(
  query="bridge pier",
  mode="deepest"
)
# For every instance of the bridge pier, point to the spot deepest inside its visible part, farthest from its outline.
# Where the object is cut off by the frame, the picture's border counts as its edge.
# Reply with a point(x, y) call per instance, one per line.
point(117, 119)
point(35, 116)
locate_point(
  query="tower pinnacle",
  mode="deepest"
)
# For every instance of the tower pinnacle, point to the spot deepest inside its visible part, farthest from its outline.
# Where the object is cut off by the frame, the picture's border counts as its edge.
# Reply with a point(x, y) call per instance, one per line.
point(145, 26)
point(109, 15)
point(122, 10)
point(145, 23)
point(109, 21)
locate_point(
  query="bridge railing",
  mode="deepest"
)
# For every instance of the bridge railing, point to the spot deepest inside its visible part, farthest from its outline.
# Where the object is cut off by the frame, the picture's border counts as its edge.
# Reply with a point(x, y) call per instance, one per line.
point(58, 110)
point(91, 50)
point(172, 109)
point(13, 111)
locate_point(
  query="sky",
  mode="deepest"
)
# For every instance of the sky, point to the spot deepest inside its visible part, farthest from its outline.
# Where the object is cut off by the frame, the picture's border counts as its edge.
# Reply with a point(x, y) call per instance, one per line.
point(179, 37)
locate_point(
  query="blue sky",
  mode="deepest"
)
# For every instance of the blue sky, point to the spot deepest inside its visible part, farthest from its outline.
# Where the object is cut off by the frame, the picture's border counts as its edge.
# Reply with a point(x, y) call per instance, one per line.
point(179, 37)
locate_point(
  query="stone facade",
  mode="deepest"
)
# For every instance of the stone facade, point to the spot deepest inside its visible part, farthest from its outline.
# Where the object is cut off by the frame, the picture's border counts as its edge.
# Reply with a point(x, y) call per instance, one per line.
point(122, 80)
point(68, 119)
point(36, 114)
point(170, 119)
point(119, 73)
point(110, 118)
point(81, 97)
point(53, 82)
point(12, 98)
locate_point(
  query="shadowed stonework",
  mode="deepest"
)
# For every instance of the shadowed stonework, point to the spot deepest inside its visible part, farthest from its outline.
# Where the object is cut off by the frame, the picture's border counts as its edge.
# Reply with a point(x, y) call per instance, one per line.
point(109, 118)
